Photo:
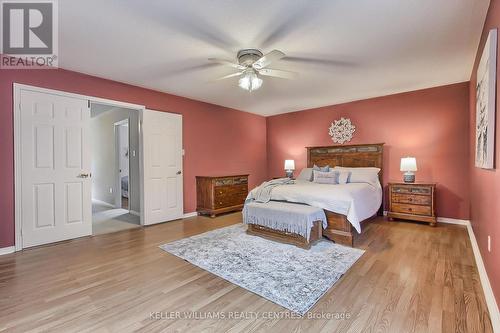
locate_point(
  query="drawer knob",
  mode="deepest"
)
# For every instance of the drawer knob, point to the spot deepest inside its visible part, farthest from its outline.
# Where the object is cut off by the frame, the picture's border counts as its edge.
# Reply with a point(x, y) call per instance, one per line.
point(411, 199)
point(410, 209)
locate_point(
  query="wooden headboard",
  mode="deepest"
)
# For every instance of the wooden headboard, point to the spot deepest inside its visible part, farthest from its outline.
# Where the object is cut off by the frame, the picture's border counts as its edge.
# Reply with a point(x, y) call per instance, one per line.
point(367, 155)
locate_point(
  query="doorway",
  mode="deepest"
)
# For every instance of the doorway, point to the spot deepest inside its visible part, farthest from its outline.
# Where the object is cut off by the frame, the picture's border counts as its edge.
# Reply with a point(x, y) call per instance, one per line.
point(53, 172)
point(115, 168)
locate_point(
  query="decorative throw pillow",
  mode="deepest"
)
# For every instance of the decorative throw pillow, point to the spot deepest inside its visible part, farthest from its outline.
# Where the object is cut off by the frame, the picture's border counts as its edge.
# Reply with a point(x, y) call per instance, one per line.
point(330, 177)
point(323, 169)
point(306, 174)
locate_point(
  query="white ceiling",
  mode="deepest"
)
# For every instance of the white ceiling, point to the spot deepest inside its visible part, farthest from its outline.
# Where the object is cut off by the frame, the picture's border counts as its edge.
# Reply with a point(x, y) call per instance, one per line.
point(367, 48)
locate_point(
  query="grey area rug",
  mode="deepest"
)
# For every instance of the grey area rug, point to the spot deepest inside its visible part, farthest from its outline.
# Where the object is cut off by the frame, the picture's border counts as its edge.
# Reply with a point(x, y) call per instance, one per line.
point(284, 274)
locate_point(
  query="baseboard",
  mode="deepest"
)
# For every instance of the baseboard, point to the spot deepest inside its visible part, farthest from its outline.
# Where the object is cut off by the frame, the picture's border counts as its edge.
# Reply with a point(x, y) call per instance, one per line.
point(485, 282)
point(188, 215)
point(103, 203)
point(133, 212)
point(453, 221)
point(447, 220)
point(7, 250)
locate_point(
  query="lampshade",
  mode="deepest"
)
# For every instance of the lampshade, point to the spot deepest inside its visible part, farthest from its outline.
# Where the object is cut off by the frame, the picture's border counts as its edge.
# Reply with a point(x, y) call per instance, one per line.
point(289, 165)
point(408, 164)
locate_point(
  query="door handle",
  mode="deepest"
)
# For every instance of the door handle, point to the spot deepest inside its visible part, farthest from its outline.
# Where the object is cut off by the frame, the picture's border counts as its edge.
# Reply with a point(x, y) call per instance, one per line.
point(83, 175)
point(179, 172)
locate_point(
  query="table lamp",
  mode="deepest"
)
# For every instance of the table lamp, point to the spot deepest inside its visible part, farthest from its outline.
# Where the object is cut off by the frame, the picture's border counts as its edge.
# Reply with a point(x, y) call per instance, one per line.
point(289, 167)
point(409, 166)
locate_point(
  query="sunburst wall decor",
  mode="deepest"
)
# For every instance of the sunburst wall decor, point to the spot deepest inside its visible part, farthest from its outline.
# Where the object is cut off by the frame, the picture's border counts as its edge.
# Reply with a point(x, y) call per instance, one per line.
point(342, 130)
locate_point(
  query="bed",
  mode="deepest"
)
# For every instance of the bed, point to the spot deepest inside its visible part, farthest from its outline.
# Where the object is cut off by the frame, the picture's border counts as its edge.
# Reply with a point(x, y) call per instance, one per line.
point(346, 206)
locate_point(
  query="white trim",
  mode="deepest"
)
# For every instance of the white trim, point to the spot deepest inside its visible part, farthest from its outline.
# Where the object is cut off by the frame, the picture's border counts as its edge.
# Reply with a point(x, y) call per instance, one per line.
point(92, 99)
point(17, 87)
point(485, 282)
point(7, 250)
point(133, 212)
point(188, 215)
point(17, 168)
point(453, 221)
point(118, 180)
point(447, 220)
point(121, 122)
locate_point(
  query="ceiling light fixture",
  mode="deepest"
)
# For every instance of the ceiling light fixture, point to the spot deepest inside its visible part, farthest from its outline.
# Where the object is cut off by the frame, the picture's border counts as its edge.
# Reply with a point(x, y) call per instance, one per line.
point(250, 81)
point(252, 66)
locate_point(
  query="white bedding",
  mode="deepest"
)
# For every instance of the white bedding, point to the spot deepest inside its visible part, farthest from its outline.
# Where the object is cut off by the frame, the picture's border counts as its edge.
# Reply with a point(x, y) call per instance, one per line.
point(358, 201)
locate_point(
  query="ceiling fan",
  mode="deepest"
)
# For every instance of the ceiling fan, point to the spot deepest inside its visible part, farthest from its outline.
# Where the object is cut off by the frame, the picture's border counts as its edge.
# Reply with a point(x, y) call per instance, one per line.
point(252, 64)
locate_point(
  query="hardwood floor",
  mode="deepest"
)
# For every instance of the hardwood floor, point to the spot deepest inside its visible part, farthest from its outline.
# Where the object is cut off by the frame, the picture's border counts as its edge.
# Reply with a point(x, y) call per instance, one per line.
point(412, 278)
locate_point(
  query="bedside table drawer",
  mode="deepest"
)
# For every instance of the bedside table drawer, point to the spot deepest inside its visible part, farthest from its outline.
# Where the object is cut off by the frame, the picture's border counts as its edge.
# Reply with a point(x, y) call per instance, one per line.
point(424, 190)
point(411, 209)
point(411, 199)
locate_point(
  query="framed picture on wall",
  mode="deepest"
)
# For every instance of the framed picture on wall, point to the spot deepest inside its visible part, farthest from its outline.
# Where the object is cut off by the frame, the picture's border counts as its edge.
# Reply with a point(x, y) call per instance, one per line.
point(486, 104)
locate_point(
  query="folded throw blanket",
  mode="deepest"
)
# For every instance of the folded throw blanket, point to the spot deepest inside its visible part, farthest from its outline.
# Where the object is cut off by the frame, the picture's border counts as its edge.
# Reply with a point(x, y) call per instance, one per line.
point(284, 216)
point(263, 192)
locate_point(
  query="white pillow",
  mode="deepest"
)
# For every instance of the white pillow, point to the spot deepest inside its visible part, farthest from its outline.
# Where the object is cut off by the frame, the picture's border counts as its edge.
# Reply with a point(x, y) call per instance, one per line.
point(322, 177)
point(372, 169)
point(344, 176)
point(306, 174)
point(362, 175)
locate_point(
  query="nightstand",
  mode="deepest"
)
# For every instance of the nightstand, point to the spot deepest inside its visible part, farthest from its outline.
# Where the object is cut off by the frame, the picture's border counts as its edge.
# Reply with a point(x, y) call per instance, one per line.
point(413, 201)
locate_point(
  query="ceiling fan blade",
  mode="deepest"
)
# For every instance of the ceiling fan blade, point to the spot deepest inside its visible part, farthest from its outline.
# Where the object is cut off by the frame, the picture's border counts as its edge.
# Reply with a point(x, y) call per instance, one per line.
point(267, 59)
point(278, 73)
point(319, 61)
point(229, 76)
point(227, 63)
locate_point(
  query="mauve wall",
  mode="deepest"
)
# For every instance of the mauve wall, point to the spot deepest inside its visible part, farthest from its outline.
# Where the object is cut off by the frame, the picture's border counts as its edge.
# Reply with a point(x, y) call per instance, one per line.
point(430, 124)
point(217, 140)
point(485, 184)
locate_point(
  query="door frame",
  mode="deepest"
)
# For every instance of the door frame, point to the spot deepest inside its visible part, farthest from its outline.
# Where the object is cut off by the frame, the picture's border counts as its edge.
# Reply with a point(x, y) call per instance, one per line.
point(17, 88)
point(118, 180)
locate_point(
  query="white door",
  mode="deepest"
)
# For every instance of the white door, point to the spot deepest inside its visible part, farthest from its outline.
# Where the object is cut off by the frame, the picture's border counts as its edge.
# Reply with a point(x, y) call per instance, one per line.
point(55, 190)
point(162, 147)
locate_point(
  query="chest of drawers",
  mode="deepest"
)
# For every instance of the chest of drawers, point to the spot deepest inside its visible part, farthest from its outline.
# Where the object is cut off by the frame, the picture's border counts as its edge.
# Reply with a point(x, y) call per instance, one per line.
point(415, 201)
point(222, 194)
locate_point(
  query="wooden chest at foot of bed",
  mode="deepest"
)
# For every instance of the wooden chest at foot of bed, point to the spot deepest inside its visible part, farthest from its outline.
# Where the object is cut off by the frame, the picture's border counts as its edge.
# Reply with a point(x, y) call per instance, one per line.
point(217, 195)
point(287, 237)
